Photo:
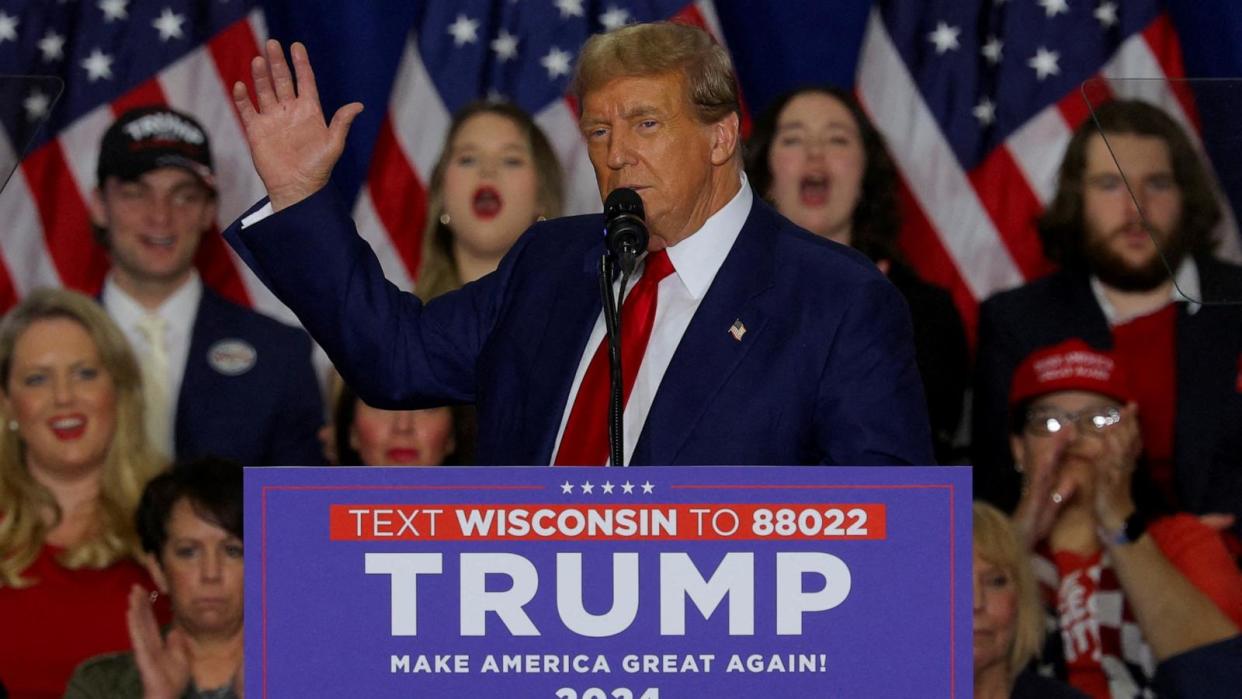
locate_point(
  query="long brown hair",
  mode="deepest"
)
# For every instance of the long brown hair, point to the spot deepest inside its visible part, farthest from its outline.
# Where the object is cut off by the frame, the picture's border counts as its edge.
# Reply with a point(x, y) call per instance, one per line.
point(1061, 226)
point(437, 271)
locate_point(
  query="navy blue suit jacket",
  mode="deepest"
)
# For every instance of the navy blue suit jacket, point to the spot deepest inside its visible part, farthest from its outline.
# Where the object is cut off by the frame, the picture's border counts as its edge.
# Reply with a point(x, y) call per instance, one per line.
point(267, 414)
point(1207, 442)
point(825, 372)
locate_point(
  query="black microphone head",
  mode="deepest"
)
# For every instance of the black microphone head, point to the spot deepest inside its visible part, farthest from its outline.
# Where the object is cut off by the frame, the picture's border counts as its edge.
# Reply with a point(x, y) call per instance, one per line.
point(625, 233)
point(623, 200)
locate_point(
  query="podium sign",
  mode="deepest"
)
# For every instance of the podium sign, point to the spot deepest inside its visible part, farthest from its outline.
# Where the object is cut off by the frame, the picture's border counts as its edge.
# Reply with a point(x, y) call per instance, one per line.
point(590, 583)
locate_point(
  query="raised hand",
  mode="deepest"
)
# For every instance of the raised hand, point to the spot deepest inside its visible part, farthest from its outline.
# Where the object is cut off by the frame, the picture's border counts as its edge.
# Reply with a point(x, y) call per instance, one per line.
point(163, 662)
point(1120, 446)
point(292, 147)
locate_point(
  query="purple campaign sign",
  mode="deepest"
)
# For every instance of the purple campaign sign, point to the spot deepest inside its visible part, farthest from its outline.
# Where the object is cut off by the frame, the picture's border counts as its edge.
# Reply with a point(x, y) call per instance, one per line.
point(584, 583)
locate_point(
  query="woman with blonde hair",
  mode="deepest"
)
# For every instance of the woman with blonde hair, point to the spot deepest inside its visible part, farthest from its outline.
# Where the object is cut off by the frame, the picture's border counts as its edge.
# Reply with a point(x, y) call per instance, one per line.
point(1008, 620)
point(74, 459)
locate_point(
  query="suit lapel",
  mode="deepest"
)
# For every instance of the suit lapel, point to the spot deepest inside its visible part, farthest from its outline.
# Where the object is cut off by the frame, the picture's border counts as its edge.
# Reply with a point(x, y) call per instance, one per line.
point(194, 377)
point(559, 345)
point(708, 354)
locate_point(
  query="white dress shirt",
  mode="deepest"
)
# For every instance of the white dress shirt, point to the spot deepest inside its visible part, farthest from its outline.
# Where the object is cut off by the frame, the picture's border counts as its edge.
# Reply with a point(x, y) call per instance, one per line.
point(696, 260)
point(1185, 288)
point(178, 312)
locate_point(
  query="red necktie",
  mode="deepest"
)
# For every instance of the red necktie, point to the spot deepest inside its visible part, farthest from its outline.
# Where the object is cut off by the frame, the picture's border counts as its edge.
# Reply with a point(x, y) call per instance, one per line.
point(585, 442)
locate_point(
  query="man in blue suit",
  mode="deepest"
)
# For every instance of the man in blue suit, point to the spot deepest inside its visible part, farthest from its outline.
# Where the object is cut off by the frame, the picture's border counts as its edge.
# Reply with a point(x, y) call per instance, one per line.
point(767, 344)
point(218, 378)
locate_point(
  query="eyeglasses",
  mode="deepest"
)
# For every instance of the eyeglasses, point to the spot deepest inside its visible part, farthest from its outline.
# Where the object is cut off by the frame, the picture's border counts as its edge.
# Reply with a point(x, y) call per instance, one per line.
point(1049, 421)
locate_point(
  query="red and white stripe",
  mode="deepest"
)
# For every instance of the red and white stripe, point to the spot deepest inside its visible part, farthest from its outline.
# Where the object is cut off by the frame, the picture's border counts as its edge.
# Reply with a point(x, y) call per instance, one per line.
point(974, 232)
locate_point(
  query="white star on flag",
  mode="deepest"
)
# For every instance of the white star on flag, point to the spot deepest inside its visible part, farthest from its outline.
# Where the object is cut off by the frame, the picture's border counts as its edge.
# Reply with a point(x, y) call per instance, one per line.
point(567, 487)
point(606, 487)
point(587, 488)
point(614, 18)
point(98, 65)
point(1052, 8)
point(8, 27)
point(985, 111)
point(464, 30)
point(569, 8)
point(945, 37)
point(52, 46)
point(36, 105)
point(169, 24)
point(113, 9)
point(647, 487)
point(1106, 13)
point(1045, 63)
point(557, 62)
point(992, 49)
point(505, 45)
point(627, 487)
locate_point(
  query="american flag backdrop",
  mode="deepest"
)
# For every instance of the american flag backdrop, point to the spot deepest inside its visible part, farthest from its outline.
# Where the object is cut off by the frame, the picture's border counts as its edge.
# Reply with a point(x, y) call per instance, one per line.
point(976, 97)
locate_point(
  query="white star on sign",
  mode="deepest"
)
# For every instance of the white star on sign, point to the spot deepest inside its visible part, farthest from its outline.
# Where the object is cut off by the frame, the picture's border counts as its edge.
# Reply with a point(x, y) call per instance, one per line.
point(985, 111)
point(647, 487)
point(98, 65)
point(505, 45)
point(1045, 63)
point(588, 488)
point(627, 488)
point(606, 487)
point(1052, 8)
point(464, 30)
point(36, 105)
point(569, 8)
point(52, 46)
point(945, 38)
point(113, 9)
point(567, 487)
point(557, 62)
point(614, 18)
point(992, 49)
point(169, 24)
point(8, 27)
point(1106, 13)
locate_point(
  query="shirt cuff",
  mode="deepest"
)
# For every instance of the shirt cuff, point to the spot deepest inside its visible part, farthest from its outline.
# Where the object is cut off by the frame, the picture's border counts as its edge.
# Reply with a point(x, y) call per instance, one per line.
point(257, 216)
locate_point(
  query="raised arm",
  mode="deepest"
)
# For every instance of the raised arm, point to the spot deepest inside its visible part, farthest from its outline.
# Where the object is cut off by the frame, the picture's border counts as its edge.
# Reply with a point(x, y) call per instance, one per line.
point(293, 148)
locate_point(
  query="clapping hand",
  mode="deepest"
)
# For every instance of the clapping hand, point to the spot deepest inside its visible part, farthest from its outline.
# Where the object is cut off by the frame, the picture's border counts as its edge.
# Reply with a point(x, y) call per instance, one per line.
point(1046, 487)
point(293, 149)
point(163, 661)
point(1119, 448)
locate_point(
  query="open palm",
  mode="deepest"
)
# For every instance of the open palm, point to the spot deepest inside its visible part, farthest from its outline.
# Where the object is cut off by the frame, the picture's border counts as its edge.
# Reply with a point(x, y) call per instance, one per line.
point(292, 146)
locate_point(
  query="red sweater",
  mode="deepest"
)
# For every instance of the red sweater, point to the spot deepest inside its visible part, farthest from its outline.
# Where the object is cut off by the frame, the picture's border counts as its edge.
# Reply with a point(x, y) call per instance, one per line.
point(65, 617)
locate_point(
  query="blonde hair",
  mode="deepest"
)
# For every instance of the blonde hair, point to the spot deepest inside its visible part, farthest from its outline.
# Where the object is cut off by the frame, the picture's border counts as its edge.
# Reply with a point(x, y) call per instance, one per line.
point(659, 48)
point(128, 464)
point(437, 270)
point(996, 541)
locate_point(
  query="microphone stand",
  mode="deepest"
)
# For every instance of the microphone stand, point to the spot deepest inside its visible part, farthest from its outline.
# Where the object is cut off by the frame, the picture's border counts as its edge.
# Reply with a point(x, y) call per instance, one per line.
point(612, 324)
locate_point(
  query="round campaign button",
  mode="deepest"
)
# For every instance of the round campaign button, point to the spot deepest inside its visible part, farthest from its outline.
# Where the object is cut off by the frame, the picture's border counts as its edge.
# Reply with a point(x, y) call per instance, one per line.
point(232, 357)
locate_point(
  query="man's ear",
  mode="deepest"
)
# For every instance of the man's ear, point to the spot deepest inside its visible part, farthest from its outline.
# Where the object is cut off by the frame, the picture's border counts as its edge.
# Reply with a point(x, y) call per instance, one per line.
point(98, 211)
point(156, 571)
point(726, 134)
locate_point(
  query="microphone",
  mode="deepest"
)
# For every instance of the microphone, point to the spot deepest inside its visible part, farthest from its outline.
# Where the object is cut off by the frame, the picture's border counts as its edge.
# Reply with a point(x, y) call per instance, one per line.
point(625, 232)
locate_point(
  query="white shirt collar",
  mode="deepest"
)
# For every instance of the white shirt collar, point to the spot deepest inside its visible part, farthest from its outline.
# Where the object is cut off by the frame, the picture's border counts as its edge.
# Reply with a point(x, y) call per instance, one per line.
point(699, 256)
point(1186, 288)
point(178, 310)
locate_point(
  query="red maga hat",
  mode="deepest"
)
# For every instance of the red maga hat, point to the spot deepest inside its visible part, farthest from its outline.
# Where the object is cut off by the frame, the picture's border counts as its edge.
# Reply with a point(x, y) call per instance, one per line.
point(1072, 365)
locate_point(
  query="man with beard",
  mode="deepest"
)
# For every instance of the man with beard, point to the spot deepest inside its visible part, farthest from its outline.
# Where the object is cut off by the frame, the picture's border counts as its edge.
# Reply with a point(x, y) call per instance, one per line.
point(1117, 292)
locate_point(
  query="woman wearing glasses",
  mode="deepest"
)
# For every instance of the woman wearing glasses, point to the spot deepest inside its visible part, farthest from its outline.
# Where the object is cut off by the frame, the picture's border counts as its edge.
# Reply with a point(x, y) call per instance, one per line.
point(1127, 583)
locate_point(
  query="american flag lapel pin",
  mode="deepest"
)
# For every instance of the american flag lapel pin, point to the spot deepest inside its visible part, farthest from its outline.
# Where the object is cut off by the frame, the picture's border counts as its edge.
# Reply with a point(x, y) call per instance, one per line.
point(738, 329)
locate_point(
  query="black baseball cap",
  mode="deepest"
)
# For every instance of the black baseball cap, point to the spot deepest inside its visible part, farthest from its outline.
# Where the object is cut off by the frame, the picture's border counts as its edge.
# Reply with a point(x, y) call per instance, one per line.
point(149, 138)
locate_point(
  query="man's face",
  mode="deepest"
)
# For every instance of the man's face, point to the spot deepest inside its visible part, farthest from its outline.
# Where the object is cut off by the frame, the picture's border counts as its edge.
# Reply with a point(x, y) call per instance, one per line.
point(643, 133)
point(1119, 236)
point(154, 223)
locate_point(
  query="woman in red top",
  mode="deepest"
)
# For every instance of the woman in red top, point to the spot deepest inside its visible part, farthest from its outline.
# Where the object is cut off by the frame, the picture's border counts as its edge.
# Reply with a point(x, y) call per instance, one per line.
point(74, 458)
point(1128, 586)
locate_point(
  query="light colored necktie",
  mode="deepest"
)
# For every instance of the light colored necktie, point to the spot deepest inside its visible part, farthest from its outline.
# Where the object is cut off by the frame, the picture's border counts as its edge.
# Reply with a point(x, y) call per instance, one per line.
point(158, 407)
